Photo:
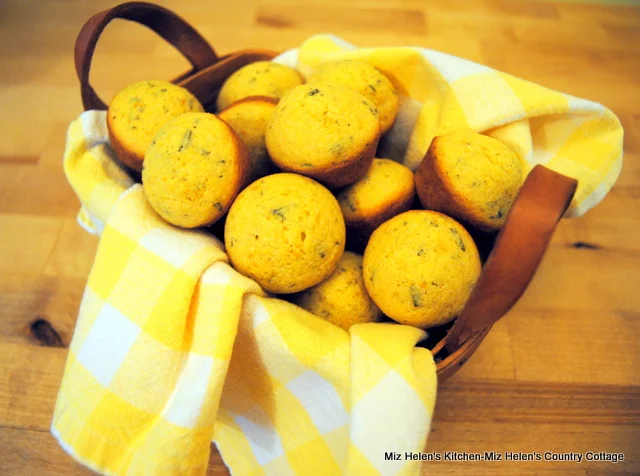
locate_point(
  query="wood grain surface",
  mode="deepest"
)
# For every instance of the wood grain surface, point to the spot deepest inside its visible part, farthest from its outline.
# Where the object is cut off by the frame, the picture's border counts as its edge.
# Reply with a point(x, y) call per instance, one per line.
point(560, 373)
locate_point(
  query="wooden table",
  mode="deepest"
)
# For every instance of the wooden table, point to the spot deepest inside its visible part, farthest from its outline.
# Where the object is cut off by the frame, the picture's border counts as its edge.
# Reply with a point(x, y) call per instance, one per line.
point(560, 373)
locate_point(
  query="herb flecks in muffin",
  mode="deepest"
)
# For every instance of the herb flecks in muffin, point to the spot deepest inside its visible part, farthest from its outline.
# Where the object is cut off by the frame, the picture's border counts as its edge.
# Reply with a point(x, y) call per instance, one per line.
point(386, 189)
point(249, 119)
point(342, 298)
point(137, 113)
point(349, 202)
point(297, 221)
point(422, 291)
point(371, 108)
point(337, 149)
point(458, 239)
point(261, 78)
point(280, 212)
point(497, 216)
point(187, 187)
point(416, 295)
point(186, 140)
point(311, 138)
point(364, 78)
point(463, 160)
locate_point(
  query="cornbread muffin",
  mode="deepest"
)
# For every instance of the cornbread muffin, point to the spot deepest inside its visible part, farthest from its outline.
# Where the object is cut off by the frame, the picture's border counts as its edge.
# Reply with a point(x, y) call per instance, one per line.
point(262, 78)
point(193, 169)
point(329, 133)
point(248, 118)
point(420, 267)
point(342, 298)
point(138, 111)
point(385, 190)
point(471, 177)
point(365, 79)
point(286, 232)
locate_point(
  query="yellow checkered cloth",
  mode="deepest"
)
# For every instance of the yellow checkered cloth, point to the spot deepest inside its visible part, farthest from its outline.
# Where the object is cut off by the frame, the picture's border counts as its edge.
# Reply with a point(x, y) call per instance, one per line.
point(174, 349)
point(441, 93)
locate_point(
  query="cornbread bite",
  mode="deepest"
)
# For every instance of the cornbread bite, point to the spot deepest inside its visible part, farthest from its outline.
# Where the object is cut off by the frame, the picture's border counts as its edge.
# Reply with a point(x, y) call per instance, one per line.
point(420, 267)
point(386, 189)
point(286, 232)
point(262, 78)
point(471, 177)
point(342, 298)
point(329, 133)
point(193, 169)
point(138, 111)
point(248, 118)
point(365, 79)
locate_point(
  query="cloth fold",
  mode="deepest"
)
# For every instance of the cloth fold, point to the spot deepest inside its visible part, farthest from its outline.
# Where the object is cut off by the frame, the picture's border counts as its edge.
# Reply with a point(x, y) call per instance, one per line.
point(441, 93)
point(172, 342)
point(174, 348)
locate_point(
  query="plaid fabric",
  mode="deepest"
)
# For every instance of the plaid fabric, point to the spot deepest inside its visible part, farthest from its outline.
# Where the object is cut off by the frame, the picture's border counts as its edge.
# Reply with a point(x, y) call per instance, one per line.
point(173, 348)
point(442, 93)
point(172, 342)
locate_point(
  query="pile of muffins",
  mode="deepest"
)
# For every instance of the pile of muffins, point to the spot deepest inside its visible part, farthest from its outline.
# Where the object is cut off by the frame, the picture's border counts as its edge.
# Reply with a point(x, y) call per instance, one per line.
point(287, 169)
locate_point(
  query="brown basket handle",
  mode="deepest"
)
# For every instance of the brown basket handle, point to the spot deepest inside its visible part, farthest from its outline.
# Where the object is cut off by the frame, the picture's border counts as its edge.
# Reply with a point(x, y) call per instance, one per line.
point(518, 250)
point(162, 21)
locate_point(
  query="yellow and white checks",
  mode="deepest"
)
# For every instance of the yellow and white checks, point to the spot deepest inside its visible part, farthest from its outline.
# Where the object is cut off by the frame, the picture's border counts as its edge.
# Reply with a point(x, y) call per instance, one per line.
point(442, 93)
point(173, 348)
point(171, 342)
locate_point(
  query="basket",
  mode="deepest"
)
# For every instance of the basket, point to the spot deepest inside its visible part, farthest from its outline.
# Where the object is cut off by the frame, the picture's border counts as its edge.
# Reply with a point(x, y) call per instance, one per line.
point(513, 256)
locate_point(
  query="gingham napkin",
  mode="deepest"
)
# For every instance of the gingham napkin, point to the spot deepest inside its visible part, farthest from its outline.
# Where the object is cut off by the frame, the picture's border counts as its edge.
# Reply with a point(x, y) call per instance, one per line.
point(441, 93)
point(173, 347)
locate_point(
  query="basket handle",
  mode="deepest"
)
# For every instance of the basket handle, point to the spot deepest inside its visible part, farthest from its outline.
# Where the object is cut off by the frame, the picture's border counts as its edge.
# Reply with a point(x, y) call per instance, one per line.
point(519, 248)
point(162, 21)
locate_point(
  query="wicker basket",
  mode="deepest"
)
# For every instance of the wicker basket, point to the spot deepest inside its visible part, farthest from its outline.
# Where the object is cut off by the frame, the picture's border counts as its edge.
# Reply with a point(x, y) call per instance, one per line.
point(513, 256)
